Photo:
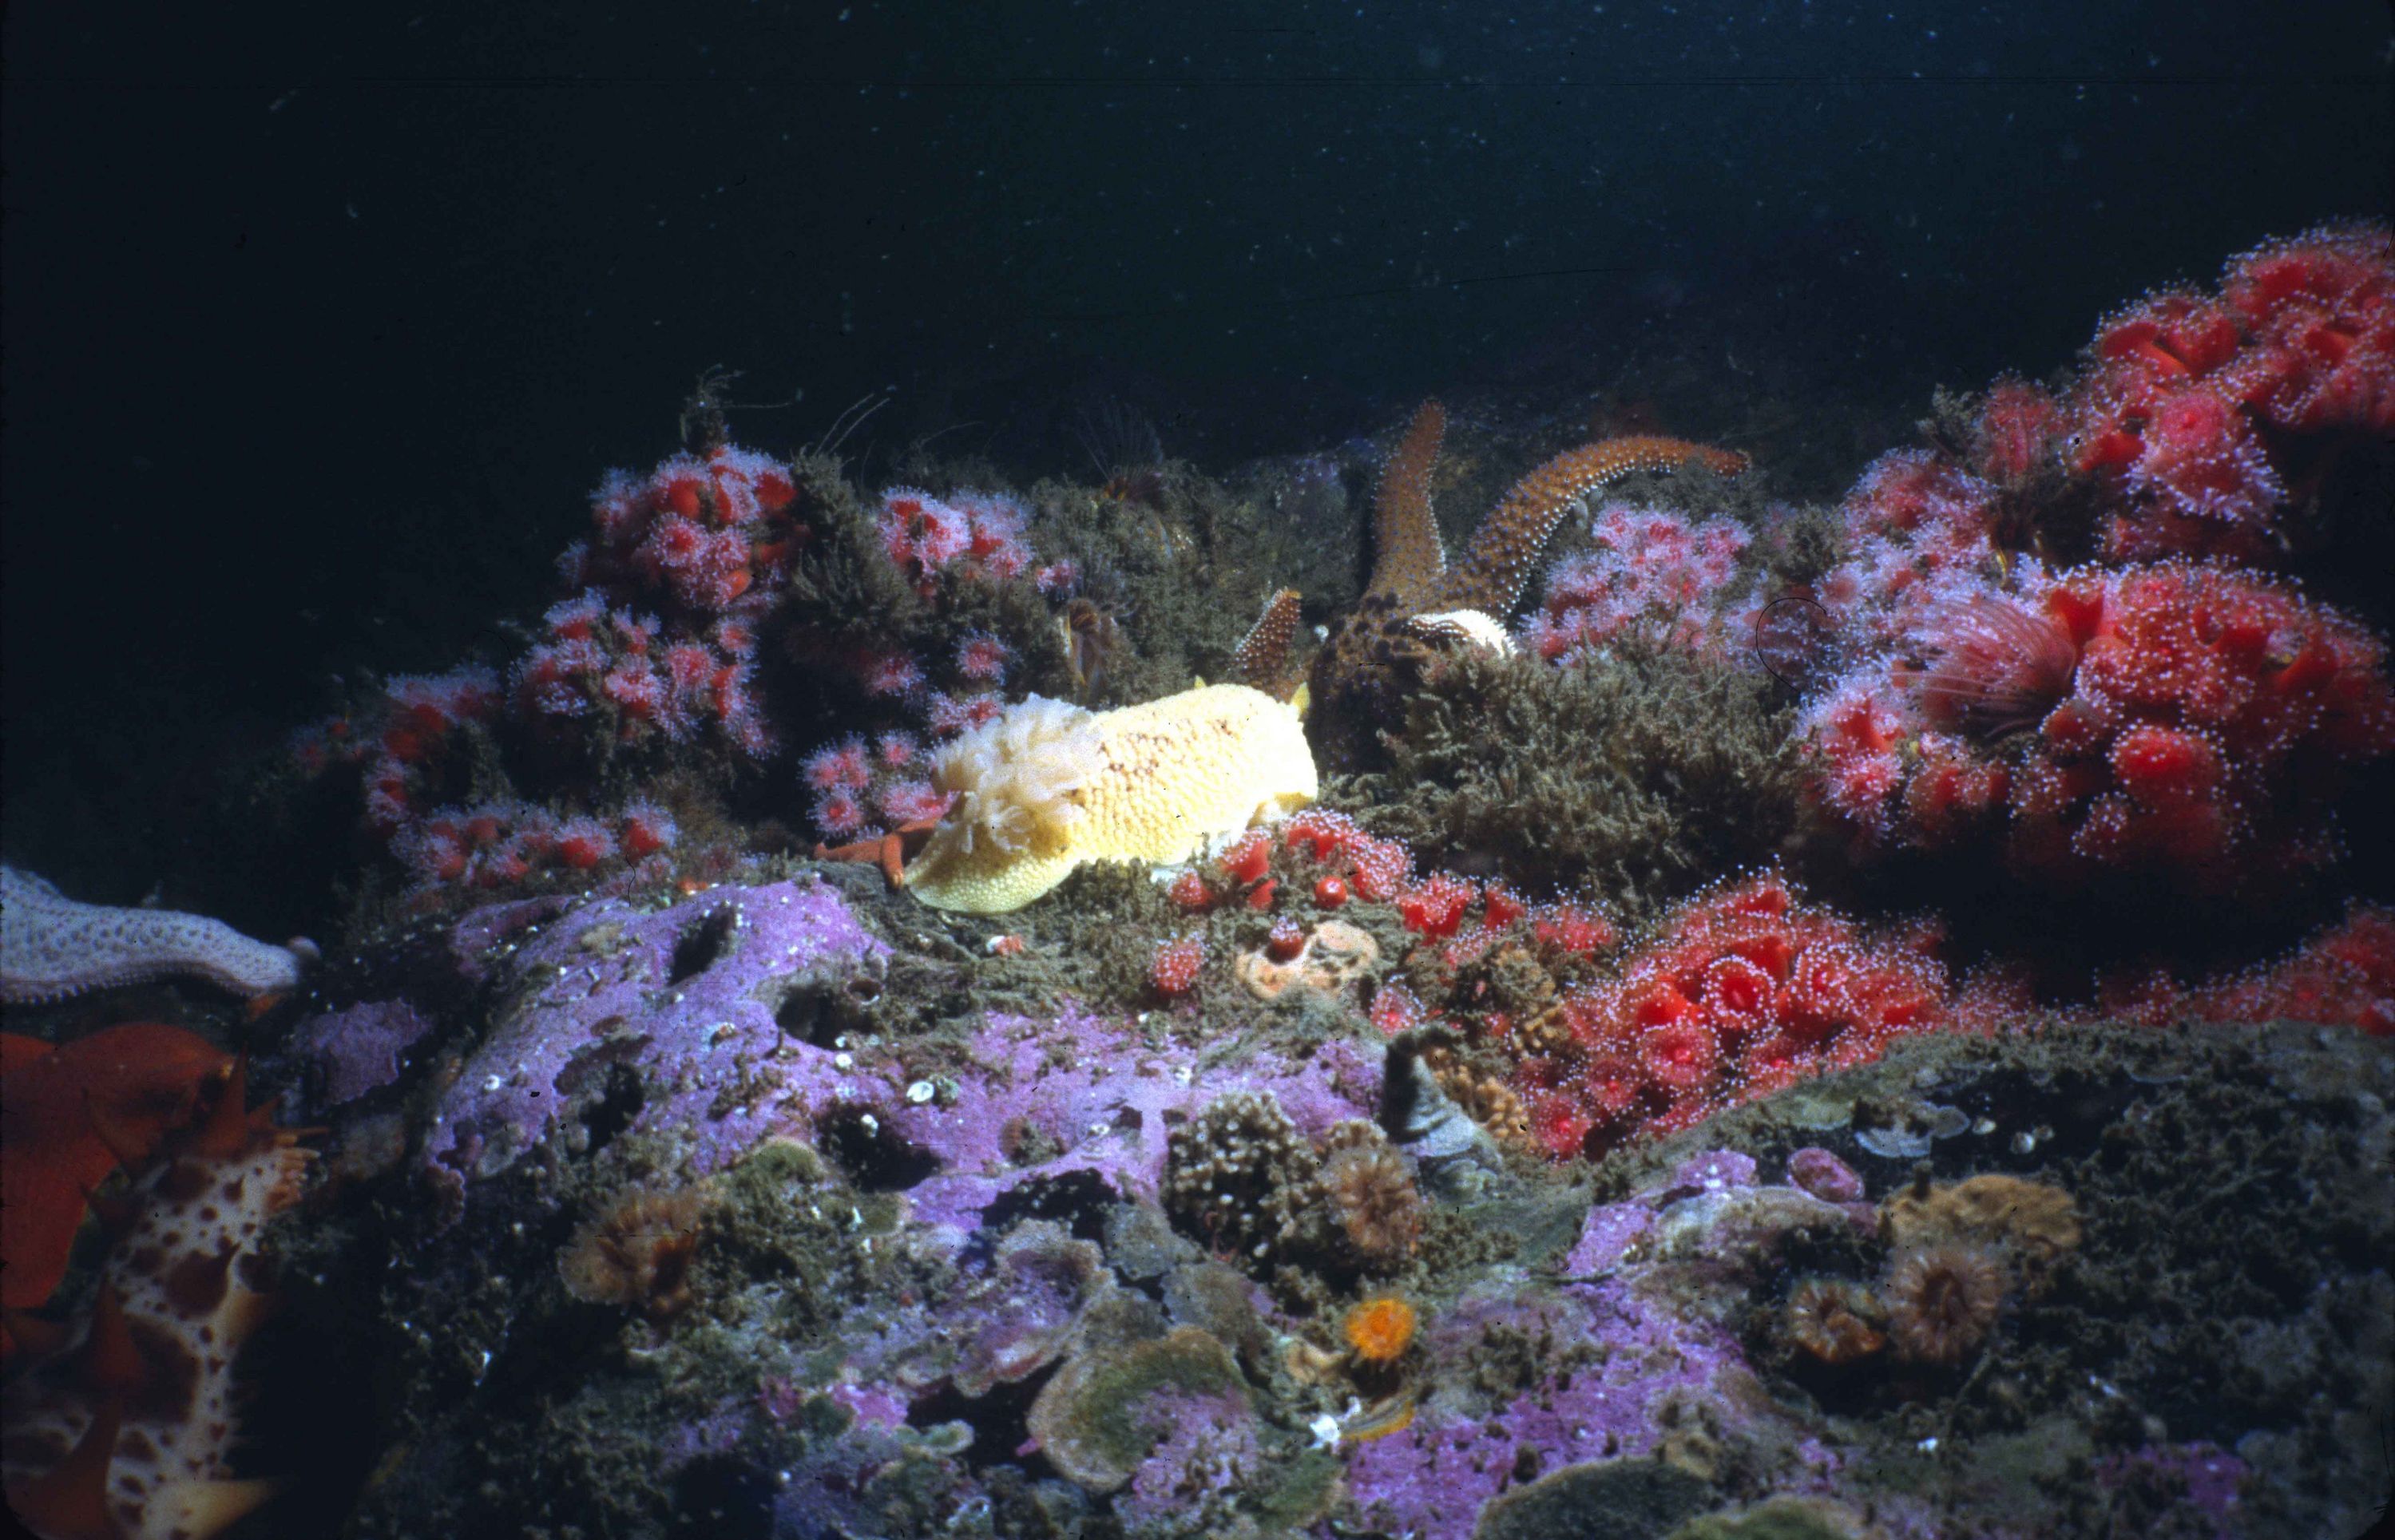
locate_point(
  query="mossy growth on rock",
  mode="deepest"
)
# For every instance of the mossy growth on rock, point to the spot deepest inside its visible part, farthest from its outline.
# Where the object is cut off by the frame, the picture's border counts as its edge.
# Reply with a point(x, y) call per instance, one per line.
point(1630, 778)
point(1181, 575)
point(1811, 543)
point(846, 598)
point(1601, 1500)
point(1113, 911)
point(1781, 1519)
point(2231, 1203)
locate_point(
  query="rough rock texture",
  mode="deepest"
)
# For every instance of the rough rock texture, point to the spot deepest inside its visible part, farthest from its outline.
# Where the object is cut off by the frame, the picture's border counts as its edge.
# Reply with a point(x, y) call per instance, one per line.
point(706, 1002)
point(1102, 1098)
point(926, 1220)
point(357, 1050)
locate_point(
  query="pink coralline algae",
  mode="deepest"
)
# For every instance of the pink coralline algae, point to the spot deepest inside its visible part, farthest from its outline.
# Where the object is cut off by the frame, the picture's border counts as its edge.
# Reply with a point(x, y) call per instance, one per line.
point(52, 947)
point(1103, 1098)
point(357, 1051)
point(2202, 1476)
point(1629, 1360)
point(1432, 1478)
point(711, 1005)
point(1825, 1176)
point(692, 999)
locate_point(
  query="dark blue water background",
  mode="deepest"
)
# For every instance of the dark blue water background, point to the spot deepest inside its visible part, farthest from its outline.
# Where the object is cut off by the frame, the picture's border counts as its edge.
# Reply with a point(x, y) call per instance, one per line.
point(320, 321)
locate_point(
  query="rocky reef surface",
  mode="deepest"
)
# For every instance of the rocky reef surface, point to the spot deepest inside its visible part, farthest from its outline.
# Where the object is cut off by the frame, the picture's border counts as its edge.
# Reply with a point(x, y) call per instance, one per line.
point(1710, 1014)
point(692, 1230)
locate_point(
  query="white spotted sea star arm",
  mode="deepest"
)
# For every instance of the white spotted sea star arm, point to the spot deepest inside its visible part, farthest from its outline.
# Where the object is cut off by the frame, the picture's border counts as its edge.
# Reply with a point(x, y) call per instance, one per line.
point(52, 947)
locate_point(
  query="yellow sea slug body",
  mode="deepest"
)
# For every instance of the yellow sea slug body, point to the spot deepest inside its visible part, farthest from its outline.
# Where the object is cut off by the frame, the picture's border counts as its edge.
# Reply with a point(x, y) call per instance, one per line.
point(1049, 785)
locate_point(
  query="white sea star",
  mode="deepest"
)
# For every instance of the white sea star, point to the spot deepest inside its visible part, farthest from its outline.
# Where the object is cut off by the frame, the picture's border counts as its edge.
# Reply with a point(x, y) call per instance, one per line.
point(52, 947)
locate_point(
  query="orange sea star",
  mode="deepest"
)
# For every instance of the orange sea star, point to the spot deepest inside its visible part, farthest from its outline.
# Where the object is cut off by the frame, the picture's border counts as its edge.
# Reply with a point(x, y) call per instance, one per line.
point(1415, 605)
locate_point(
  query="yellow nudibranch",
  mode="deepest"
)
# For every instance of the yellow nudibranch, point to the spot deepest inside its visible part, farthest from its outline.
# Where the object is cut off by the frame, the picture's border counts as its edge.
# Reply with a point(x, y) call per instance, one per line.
point(1049, 785)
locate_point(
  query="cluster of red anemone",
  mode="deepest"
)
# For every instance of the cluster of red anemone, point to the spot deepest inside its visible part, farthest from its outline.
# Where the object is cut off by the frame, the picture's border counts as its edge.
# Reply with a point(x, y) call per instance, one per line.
point(968, 534)
point(1647, 571)
point(401, 739)
point(1174, 968)
point(660, 640)
point(495, 845)
point(1743, 991)
point(1375, 868)
point(861, 786)
point(2196, 405)
point(2191, 718)
point(937, 544)
point(640, 678)
point(657, 644)
point(2344, 975)
point(2182, 718)
point(695, 535)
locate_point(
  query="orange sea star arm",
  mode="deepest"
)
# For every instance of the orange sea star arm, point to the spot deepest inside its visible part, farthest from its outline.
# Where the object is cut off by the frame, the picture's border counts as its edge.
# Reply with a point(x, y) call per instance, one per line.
point(1407, 557)
point(1507, 544)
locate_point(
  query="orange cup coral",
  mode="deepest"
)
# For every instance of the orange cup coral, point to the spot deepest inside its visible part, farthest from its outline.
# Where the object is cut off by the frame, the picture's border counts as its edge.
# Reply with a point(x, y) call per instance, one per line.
point(1381, 1330)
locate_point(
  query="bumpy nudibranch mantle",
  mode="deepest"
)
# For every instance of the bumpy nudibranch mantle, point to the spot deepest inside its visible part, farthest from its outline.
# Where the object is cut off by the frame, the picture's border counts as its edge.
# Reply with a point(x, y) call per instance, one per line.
point(1048, 786)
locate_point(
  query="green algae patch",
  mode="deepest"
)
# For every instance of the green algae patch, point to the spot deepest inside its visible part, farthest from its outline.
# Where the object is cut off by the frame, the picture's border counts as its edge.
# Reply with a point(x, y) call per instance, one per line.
point(1602, 1500)
point(1092, 1419)
point(1781, 1519)
point(1301, 1491)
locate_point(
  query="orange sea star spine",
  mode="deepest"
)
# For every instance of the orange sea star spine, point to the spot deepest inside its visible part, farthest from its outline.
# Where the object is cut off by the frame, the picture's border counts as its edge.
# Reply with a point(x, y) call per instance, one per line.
point(1491, 574)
